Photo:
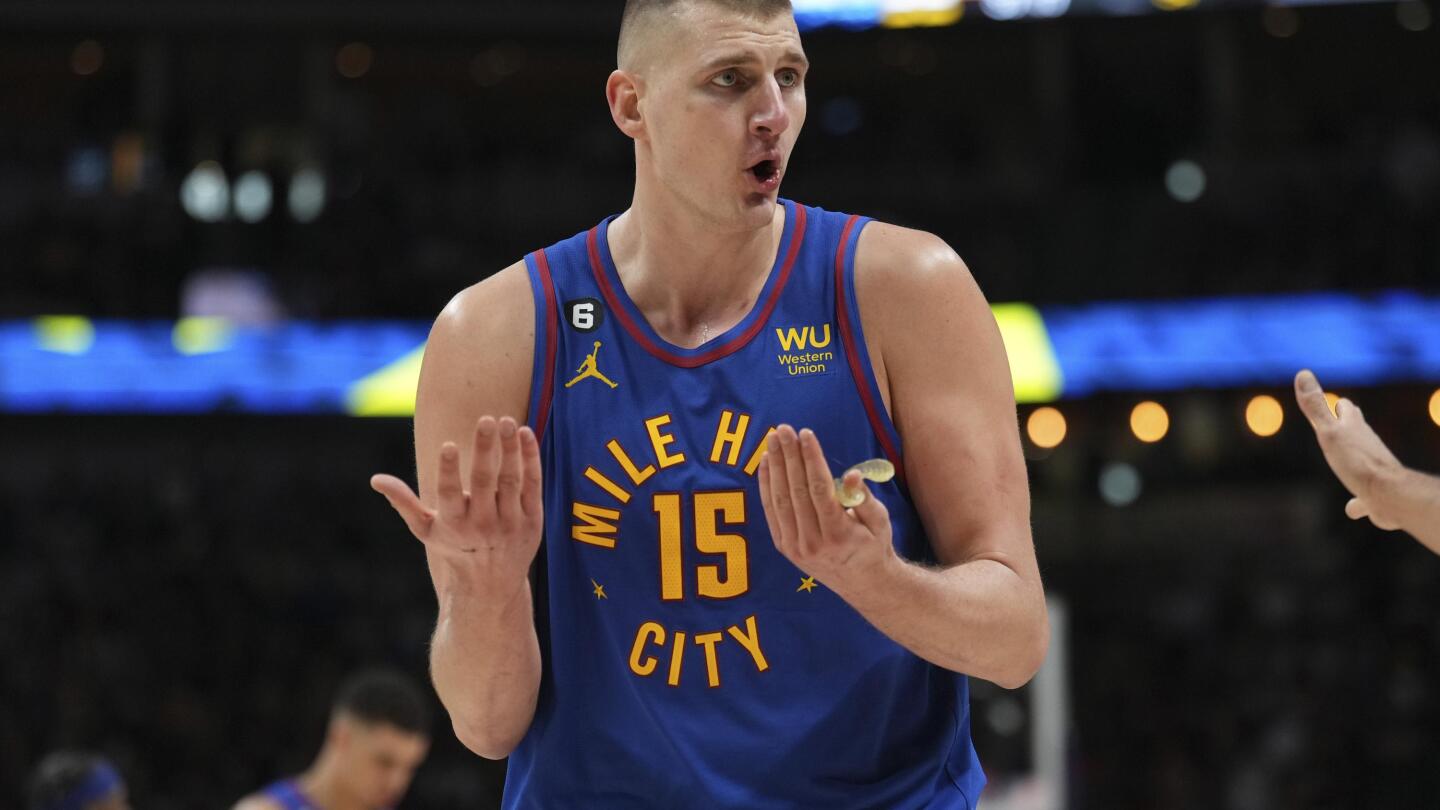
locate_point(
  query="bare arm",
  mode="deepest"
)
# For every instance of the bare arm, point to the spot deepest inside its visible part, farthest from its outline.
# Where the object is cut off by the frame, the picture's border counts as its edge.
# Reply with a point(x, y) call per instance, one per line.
point(1388, 493)
point(983, 612)
point(481, 531)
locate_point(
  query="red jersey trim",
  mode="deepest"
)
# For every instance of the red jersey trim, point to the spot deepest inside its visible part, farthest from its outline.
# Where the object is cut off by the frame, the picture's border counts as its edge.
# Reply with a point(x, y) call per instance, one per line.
point(857, 371)
point(552, 329)
point(735, 344)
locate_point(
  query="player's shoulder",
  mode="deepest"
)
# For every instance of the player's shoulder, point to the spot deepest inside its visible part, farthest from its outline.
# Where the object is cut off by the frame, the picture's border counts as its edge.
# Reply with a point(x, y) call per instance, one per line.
point(896, 262)
point(480, 348)
point(496, 297)
point(496, 304)
point(258, 801)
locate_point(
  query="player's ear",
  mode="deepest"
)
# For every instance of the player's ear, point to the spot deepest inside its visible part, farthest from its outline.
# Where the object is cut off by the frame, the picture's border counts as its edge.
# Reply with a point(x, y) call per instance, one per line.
point(623, 92)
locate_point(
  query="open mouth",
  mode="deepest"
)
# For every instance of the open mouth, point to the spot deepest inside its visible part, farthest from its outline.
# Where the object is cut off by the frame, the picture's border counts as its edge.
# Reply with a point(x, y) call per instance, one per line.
point(765, 170)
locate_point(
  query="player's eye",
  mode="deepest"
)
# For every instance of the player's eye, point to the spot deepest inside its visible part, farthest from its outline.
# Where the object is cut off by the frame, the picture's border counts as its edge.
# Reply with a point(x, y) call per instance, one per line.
point(788, 78)
point(728, 78)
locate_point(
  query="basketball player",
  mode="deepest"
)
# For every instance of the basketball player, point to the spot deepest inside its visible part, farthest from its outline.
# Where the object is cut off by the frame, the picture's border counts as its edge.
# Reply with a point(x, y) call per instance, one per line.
point(378, 735)
point(1388, 493)
point(67, 780)
point(707, 627)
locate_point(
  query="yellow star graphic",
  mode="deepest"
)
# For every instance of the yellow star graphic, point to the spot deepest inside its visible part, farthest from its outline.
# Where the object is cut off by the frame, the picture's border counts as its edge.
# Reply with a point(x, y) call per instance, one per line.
point(807, 585)
point(599, 590)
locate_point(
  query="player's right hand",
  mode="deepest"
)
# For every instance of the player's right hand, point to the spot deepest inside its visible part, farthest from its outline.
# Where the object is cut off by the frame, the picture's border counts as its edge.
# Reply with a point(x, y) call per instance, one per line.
point(486, 535)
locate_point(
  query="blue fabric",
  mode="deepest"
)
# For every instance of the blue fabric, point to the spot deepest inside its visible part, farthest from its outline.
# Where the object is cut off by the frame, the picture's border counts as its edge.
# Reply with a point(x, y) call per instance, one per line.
point(782, 696)
point(286, 793)
point(102, 781)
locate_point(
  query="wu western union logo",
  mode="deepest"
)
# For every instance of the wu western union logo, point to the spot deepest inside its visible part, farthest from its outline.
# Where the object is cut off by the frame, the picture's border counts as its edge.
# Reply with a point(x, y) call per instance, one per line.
point(804, 350)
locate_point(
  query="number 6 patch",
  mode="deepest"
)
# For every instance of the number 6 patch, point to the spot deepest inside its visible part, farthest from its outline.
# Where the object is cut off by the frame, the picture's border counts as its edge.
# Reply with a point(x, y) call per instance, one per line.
point(584, 314)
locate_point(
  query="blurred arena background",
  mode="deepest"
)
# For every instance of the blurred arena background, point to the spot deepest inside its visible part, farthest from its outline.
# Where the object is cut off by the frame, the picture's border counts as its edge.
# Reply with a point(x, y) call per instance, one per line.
point(224, 227)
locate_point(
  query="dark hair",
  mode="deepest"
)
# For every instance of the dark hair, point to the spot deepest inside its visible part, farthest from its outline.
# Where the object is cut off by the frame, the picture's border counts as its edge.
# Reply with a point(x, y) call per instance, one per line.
point(636, 9)
point(384, 696)
point(66, 778)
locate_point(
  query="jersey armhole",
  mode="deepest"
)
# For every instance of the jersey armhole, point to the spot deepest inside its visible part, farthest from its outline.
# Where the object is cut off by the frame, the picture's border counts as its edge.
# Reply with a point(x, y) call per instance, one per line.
point(542, 374)
point(852, 335)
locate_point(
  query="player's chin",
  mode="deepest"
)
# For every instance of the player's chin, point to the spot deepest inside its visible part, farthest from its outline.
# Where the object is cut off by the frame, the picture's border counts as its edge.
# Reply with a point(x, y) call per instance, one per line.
point(755, 211)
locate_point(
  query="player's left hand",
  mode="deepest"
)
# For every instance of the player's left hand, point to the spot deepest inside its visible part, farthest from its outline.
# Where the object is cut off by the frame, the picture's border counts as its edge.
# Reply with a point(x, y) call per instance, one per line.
point(840, 547)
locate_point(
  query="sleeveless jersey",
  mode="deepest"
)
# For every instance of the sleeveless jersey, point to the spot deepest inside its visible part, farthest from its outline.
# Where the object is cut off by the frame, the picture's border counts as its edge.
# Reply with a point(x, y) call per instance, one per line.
point(686, 662)
point(286, 793)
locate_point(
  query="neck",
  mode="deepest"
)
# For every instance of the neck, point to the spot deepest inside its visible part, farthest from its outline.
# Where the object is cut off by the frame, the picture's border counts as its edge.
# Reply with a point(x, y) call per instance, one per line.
point(690, 279)
point(323, 785)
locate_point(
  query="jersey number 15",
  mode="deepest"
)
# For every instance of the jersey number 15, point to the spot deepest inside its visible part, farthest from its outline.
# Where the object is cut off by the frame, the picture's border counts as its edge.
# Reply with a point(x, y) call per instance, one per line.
point(711, 510)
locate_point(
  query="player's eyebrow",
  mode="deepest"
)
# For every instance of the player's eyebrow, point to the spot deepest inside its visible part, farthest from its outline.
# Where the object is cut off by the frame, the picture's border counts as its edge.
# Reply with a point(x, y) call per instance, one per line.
point(732, 58)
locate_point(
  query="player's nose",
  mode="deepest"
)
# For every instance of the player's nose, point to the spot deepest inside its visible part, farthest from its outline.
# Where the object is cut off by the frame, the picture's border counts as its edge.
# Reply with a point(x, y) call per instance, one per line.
point(771, 117)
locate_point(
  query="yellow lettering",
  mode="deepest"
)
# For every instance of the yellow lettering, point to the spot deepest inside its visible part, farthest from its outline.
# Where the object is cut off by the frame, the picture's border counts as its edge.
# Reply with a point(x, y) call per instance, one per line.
point(749, 638)
point(816, 343)
point(724, 435)
point(643, 667)
point(791, 338)
point(672, 585)
point(636, 476)
point(677, 657)
point(708, 641)
point(606, 484)
point(598, 530)
point(659, 440)
point(754, 463)
point(709, 541)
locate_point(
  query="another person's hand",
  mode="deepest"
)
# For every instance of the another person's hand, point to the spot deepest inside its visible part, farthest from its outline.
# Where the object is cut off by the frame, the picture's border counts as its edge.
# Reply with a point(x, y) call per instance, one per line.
point(485, 537)
point(1358, 457)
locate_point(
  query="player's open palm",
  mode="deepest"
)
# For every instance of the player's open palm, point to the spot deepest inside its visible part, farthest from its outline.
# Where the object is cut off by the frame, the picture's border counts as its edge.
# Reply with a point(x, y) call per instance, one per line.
point(808, 524)
point(485, 527)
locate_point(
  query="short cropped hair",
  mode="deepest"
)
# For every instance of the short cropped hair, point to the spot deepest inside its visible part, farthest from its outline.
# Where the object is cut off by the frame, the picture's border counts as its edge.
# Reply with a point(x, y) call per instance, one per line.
point(376, 696)
point(61, 776)
point(636, 11)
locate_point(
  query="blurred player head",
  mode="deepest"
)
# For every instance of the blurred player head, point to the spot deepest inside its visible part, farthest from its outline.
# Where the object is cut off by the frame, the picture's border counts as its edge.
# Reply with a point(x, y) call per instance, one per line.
point(68, 780)
point(713, 94)
point(378, 736)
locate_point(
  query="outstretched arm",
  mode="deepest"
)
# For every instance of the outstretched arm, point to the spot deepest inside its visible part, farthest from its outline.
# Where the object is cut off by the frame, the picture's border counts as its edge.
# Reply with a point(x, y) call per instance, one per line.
point(479, 512)
point(937, 350)
point(1392, 496)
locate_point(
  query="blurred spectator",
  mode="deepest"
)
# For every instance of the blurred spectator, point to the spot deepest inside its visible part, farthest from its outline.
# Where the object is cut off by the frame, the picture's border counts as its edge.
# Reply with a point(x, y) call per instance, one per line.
point(378, 735)
point(68, 780)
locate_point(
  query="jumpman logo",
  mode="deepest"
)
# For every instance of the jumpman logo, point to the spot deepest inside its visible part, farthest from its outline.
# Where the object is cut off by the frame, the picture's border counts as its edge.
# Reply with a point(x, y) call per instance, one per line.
point(588, 369)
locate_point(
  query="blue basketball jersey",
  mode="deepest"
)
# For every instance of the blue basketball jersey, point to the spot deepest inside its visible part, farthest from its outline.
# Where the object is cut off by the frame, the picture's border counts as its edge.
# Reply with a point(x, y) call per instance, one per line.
point(687, 664)
point(286, 793)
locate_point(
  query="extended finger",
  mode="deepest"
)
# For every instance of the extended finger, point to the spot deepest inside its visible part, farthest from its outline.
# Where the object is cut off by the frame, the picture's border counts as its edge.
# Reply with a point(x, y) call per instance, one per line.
point(452, 495)
point(483, 465)
point(532, 486)
point(404, 501)
point(828, 512)
point(1311, 398)
point(507, 481)
point(782, 511)
point(807, 525)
